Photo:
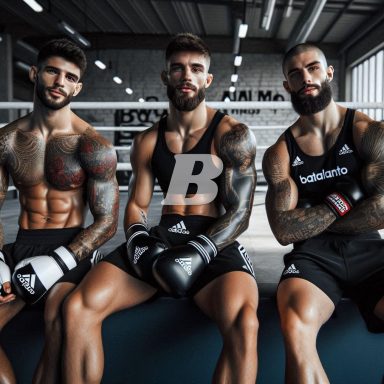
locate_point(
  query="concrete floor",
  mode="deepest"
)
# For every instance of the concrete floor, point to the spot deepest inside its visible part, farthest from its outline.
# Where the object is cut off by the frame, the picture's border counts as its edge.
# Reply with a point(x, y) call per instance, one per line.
point(266, 253)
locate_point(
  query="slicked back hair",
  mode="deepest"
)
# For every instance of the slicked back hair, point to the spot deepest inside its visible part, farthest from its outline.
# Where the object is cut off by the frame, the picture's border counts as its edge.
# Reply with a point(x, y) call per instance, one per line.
point(66, 49)
point(187, 42)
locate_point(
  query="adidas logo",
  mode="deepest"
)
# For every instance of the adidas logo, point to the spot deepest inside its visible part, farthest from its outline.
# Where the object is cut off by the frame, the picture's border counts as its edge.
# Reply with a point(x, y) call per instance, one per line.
point(28, 282)
point(248, 263)
point(186, 263)
point(345, 149)
point(138, 252)
point(297, 162)
point(179, 228)
point(291, 269)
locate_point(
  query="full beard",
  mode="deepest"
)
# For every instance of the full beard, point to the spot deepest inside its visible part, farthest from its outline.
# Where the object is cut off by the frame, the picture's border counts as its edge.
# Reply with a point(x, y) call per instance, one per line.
point(50, 103)
point(183, 103)
point(308, 105)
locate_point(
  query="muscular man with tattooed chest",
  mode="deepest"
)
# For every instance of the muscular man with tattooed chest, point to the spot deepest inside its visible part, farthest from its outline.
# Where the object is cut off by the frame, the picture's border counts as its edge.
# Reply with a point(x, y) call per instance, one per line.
point(326, 196)
point(47, 174)
point(60, 167)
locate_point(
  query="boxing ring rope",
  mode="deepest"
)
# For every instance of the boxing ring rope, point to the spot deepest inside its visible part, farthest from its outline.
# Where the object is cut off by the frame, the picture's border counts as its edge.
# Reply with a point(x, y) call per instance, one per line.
point(163, 105)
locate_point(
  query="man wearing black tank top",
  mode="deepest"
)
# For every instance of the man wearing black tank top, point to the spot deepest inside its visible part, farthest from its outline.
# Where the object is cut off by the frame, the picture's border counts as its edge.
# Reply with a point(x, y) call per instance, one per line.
point(193, 251)
point(325, 195)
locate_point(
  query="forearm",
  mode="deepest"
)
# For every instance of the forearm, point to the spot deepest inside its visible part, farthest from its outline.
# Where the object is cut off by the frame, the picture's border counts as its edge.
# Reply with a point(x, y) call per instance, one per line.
point(365, 217)
point(93, 237)
point(104, 206)
point(135, 214)
point(301, 223)
point(228, 227)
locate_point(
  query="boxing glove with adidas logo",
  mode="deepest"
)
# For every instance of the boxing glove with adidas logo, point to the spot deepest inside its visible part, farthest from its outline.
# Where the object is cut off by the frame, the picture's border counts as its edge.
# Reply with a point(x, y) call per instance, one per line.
point(142, 250)
point(34, 276)
point(177, 268)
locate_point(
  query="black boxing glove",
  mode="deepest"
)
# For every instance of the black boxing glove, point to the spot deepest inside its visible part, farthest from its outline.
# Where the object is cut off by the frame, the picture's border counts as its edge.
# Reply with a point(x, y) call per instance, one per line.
point(177, 268)
point(347, 194)
point(142, 250)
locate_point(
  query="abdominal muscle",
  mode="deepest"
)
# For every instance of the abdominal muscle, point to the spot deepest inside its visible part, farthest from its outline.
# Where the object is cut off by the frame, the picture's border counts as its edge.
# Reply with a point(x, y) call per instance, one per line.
point(210, 209)
point(43, 207)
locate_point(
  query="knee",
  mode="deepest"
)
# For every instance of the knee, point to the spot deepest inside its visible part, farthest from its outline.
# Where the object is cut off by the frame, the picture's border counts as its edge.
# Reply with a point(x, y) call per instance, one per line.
point(246, 324)
point(297, 325)
point(73, 310)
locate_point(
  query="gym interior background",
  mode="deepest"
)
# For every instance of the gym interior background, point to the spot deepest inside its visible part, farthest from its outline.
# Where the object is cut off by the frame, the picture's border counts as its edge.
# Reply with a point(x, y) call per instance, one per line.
point(124, 42)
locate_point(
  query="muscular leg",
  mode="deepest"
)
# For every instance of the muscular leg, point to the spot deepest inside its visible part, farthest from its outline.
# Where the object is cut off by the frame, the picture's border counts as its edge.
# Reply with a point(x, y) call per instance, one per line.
point(303, 309)
point(49, 369)
point(105, 290)
point(7, 312)
point(231, 301)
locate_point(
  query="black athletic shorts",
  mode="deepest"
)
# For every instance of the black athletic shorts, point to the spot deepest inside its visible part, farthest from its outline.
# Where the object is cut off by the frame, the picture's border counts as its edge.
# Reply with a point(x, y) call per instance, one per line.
point(37, 242)
point(177, 230)
point(350, 265)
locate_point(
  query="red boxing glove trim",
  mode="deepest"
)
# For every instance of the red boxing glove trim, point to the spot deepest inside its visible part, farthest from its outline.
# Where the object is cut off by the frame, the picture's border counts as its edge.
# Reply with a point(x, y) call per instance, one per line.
point(338, 203)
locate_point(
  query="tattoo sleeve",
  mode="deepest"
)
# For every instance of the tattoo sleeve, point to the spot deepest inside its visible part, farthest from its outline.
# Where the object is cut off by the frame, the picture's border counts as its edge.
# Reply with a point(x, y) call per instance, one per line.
point(4, 177)
point(237, 150)
point(4, 181)
point(369, 214)
point(288, 223)
point(99, 161)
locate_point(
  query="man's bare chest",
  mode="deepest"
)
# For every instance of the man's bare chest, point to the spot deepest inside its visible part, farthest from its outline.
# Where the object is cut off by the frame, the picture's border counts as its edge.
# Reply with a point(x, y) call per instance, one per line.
point(32, 160)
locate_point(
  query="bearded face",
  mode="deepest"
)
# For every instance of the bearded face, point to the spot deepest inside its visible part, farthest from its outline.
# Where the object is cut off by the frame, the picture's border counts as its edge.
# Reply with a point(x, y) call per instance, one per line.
point(43, 93)
point(307, 104)
point(184, 102)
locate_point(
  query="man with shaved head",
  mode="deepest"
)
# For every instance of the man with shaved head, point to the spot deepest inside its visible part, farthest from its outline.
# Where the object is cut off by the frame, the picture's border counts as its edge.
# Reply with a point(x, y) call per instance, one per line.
point(325, 195)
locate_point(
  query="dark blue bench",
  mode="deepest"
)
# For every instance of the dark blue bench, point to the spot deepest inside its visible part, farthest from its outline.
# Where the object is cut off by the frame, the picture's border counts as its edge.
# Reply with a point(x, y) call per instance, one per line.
point(170, 342)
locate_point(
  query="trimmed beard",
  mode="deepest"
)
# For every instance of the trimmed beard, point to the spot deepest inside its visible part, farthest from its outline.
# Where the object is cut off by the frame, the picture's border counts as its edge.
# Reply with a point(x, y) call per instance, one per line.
point(51, 104)
point(182, 103)
point(308, 105)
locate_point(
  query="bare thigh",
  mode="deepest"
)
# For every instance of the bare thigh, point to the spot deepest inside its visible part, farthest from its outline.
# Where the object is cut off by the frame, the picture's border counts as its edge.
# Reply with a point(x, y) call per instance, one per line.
point(107, 289)
point(304, 300)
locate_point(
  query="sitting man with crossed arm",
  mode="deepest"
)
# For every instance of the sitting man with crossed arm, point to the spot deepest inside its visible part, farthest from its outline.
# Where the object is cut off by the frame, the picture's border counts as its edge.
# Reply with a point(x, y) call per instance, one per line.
point(59, 165)
point(193, 251)
point(325, 195)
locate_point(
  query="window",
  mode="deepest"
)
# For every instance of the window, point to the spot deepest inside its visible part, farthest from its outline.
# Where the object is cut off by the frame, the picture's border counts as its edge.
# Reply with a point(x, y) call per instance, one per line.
point(368, 83)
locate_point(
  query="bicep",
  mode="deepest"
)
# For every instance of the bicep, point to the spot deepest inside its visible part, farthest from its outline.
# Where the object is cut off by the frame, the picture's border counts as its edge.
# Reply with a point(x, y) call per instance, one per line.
point(372, 151)
point(4, 182)
point(282, 194)
point(237, 150)
point(99, 161)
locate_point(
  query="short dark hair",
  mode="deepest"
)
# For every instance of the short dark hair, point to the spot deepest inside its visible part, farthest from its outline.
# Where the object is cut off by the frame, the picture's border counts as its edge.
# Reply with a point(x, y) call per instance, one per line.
point(66, 49)
point(187, 42)
point(299, 48)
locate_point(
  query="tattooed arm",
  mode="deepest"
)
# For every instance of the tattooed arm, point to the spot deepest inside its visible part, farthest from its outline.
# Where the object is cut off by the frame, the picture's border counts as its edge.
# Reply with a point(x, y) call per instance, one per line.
point(98, 159)
point(142, 180)
point(237, 150)
point(369, 214)
point(288, 223)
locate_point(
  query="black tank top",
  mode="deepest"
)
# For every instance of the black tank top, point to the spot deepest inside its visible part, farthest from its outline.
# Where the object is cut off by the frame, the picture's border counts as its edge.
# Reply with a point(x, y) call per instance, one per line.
point(316, 175)
point(163, 160)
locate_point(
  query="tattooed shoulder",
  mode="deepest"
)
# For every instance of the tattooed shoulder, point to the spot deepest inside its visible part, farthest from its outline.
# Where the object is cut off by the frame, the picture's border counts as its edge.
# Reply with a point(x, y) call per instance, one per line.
point(97, 155)
point(237, 147)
